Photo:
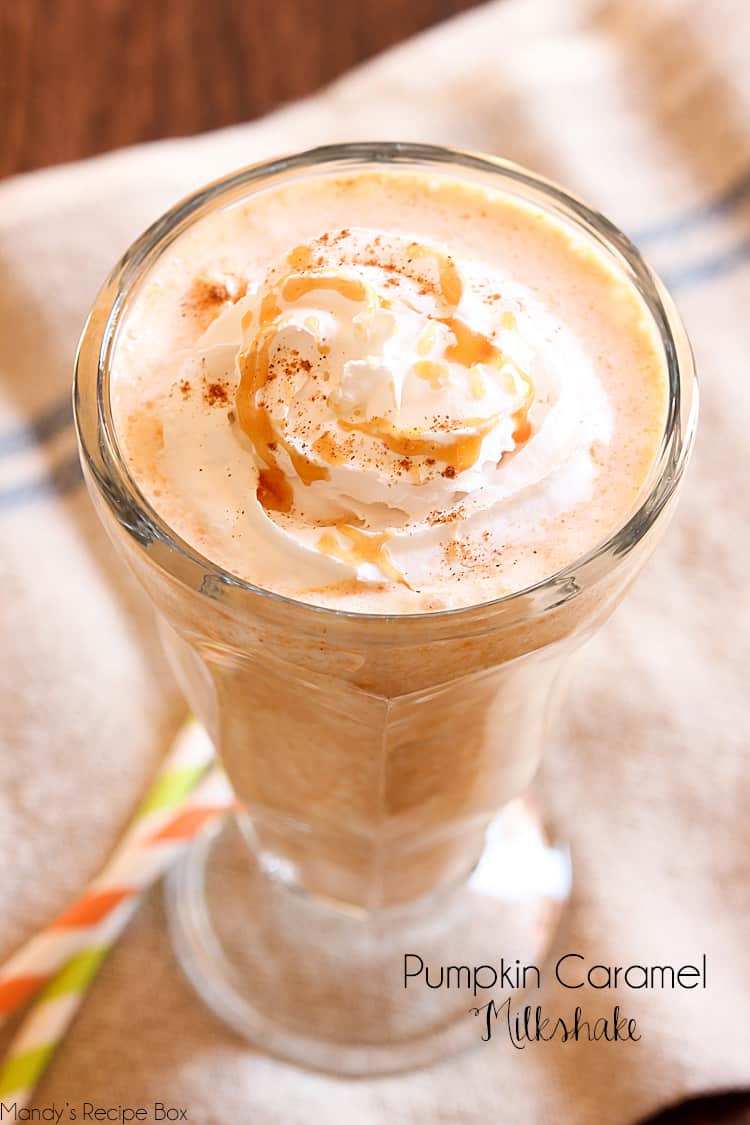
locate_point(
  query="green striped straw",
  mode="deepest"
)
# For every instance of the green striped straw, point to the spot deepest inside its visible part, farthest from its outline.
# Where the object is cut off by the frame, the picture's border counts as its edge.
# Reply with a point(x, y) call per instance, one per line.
point(188, 793)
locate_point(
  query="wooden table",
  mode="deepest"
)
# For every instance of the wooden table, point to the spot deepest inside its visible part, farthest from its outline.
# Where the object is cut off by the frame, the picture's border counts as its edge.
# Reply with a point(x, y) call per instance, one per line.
point(78, 77)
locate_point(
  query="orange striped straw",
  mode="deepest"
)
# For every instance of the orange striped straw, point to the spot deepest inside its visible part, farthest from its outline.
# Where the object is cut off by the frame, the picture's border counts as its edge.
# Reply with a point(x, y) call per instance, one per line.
point(63, 960)
point(158, 831)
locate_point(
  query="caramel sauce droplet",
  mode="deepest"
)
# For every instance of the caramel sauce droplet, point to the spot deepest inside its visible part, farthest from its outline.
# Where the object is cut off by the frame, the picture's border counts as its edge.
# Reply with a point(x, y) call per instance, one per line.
point(522, 427)
point(274, 490)
point(269, 309)
point(300, 258)
point(470, 347)
point(450, 283)
point(522, 431)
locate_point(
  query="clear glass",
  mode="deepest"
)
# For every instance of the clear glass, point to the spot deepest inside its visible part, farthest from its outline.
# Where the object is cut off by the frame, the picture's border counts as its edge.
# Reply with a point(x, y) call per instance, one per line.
point(370, 753)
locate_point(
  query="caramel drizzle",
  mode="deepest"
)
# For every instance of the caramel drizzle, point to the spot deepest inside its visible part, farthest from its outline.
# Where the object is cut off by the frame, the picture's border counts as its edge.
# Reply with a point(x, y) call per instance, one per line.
point(522, 430)
point(299, 285)
point(330, 450)
point(363, 547)
point(470, 349)
point(269, 309)
point(471, 346)
point(274, 491)
point(460, 453)
point(449, 279)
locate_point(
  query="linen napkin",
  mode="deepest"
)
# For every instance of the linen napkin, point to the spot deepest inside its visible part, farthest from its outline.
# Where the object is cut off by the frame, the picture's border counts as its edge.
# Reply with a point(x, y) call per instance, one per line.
point(643, 109)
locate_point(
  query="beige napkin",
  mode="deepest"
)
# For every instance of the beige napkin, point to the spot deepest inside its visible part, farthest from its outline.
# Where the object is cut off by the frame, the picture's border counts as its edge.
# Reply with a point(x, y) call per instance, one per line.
point(643, 108)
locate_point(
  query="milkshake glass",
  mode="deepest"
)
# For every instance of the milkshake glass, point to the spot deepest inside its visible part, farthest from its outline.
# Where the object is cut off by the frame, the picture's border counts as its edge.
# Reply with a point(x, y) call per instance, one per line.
point(380, 760)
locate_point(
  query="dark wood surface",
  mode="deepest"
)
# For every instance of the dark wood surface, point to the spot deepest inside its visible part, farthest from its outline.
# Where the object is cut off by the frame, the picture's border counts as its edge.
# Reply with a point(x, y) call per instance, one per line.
point(719, 1109)
point(78, 77)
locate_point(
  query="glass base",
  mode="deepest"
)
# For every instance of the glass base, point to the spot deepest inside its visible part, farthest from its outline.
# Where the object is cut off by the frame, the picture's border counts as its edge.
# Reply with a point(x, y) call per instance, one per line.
point(362, 993)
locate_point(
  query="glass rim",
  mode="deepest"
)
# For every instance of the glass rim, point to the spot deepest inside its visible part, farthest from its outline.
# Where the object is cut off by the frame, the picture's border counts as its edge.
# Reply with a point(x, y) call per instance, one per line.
point(103, 461)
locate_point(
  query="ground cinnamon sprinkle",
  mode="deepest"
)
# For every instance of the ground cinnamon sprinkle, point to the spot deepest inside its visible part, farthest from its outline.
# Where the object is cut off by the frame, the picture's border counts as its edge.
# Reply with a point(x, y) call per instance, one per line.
point(215, 394)
point(450, 516)
point(461, 551)
point(206, 296)
point(185, 388)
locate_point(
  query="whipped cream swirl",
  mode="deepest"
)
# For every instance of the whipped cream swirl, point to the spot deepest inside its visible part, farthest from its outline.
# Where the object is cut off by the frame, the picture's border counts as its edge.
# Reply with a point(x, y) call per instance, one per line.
point(385, 397)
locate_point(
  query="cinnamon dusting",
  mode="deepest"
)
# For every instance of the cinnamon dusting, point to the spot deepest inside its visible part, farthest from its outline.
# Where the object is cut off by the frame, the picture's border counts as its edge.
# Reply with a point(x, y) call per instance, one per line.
point(206, 297)
point(215, 394)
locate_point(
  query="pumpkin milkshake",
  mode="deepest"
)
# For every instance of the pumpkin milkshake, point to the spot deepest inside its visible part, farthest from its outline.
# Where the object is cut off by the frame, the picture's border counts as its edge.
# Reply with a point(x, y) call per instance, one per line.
point(385, 432)
point(389, 393)
point(383, 439)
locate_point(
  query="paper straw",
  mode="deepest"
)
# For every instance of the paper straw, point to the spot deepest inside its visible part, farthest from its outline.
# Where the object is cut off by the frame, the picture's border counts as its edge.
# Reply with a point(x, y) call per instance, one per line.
point(50, 1015)
point(28, 969)
point(165, 824)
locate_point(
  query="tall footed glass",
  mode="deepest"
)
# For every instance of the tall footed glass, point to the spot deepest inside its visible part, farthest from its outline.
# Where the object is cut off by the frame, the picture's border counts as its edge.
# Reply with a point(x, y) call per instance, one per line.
point(381, 763)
